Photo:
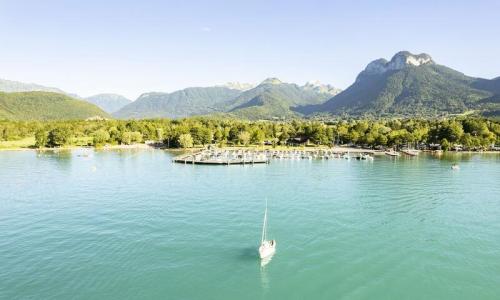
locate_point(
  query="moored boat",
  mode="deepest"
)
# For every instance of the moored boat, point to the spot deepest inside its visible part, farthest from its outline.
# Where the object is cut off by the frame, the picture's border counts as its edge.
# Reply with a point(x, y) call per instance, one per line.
point(391, 153)
point(410, 152)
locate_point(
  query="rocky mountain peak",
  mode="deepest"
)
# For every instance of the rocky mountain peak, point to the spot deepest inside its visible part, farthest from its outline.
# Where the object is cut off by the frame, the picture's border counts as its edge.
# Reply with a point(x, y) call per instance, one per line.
point(399, 61)
point(403, 58)
point(272, 80)
point(240, 86)
point(321, 88)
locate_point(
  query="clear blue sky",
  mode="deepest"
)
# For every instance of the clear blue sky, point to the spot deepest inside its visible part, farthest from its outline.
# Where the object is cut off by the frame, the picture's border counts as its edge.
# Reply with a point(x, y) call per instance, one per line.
point(131, 47)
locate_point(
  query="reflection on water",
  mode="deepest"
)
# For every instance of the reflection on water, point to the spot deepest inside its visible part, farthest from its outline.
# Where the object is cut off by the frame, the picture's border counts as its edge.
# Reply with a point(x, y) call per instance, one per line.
point(264, 278)
point(60, 157)
point(264, 261)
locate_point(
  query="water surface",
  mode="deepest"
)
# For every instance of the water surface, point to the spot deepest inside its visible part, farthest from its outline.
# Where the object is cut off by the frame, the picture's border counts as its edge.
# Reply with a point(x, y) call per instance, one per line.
point(130, 224)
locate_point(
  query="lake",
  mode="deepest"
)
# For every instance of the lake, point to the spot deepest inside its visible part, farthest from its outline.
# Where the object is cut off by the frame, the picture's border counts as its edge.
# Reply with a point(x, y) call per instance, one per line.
point(131, 224)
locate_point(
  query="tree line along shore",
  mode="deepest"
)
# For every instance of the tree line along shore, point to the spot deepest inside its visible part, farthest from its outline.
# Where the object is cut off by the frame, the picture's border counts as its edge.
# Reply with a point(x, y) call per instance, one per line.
point(463, 133)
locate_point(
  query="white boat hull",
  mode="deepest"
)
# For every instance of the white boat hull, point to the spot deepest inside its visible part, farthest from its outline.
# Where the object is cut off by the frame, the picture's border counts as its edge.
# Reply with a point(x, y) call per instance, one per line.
point(392, 153)
point(267, 249)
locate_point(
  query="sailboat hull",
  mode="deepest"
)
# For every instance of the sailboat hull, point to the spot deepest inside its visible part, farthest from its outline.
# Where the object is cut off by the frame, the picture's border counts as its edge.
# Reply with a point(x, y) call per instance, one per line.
point(267, 249)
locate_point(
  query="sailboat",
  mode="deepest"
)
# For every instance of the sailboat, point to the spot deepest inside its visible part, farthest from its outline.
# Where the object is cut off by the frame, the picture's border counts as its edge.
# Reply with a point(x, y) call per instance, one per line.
point(267, 248)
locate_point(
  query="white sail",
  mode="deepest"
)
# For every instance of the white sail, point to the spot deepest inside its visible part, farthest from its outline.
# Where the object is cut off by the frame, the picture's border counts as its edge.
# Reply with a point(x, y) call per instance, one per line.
point(264, 226)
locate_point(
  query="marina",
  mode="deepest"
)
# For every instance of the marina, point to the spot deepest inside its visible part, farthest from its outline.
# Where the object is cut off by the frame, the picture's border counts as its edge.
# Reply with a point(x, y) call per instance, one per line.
point(216, 156)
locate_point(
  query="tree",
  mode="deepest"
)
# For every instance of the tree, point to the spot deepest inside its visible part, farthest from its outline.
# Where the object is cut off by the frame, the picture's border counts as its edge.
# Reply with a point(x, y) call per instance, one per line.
point(445, 145)
point(59, 136)
point(136, 137)
point(115, 135)
point(100, 137)
point(219, 135)
point(185, 140)
point(244, 138)
point(453, 131)
point(159, 134)
point(258, 136)
point(41, 138)
point(126, 138)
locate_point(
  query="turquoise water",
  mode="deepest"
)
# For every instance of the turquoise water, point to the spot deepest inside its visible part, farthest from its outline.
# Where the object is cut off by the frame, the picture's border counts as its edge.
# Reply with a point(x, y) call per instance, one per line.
point(130, 224)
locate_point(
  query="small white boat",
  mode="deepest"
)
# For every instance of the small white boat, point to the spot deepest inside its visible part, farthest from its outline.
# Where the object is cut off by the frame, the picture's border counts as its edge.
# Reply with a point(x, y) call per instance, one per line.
point(267, 248)
point(391, 153)
point(366, 157)
point(410, 152)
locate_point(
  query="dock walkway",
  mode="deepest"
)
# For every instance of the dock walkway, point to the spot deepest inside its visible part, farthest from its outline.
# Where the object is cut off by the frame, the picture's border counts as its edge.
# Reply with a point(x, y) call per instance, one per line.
point(255, 156)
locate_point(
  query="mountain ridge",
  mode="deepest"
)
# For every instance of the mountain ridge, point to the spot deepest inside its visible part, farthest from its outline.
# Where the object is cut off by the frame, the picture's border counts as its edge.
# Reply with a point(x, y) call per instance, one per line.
point(407, 85)
point(39, 105)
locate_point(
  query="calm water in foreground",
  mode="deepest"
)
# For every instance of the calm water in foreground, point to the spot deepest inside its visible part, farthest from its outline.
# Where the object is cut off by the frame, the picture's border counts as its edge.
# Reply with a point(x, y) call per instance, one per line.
point(130, 224)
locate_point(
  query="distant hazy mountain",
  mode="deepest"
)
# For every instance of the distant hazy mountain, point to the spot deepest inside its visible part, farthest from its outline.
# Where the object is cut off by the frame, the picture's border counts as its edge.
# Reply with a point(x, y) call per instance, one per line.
point(411, 85)
point(45, 106)
point(110, 103)
point(492, 85)
point(183, 103)
point(10, 86)
point(320, 88)
point(238, 86)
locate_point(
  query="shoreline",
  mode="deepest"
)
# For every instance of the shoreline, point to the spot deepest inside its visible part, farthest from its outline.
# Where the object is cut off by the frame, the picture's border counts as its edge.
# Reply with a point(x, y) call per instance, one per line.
point(71, 148)
point(231, 148)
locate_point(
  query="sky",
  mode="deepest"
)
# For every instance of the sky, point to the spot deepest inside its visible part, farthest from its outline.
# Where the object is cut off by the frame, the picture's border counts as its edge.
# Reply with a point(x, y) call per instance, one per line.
point(132, 47)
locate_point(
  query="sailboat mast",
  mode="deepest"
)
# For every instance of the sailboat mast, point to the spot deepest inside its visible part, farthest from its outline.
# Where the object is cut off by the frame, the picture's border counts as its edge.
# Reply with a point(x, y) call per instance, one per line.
point(264, 226)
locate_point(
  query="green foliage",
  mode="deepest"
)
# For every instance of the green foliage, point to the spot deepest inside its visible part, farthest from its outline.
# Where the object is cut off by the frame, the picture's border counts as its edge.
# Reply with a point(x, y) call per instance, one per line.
point(472, 133)
point(131, 137)
point(59, 136)
point(244, 138)
point(185, 140)
point(45, 106)
point(100, 137)
point(41, 138)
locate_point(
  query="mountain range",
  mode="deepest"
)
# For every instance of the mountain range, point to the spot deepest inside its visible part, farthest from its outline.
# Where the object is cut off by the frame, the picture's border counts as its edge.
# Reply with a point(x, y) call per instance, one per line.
point(270, 99)
point(406, 85)
point(410, 85)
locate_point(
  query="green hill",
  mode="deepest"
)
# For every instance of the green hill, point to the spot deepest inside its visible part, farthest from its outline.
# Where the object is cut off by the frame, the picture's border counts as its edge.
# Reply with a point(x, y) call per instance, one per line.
point(183, 103)
point(275, 99)
point(408, 85)
point(45, 106)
